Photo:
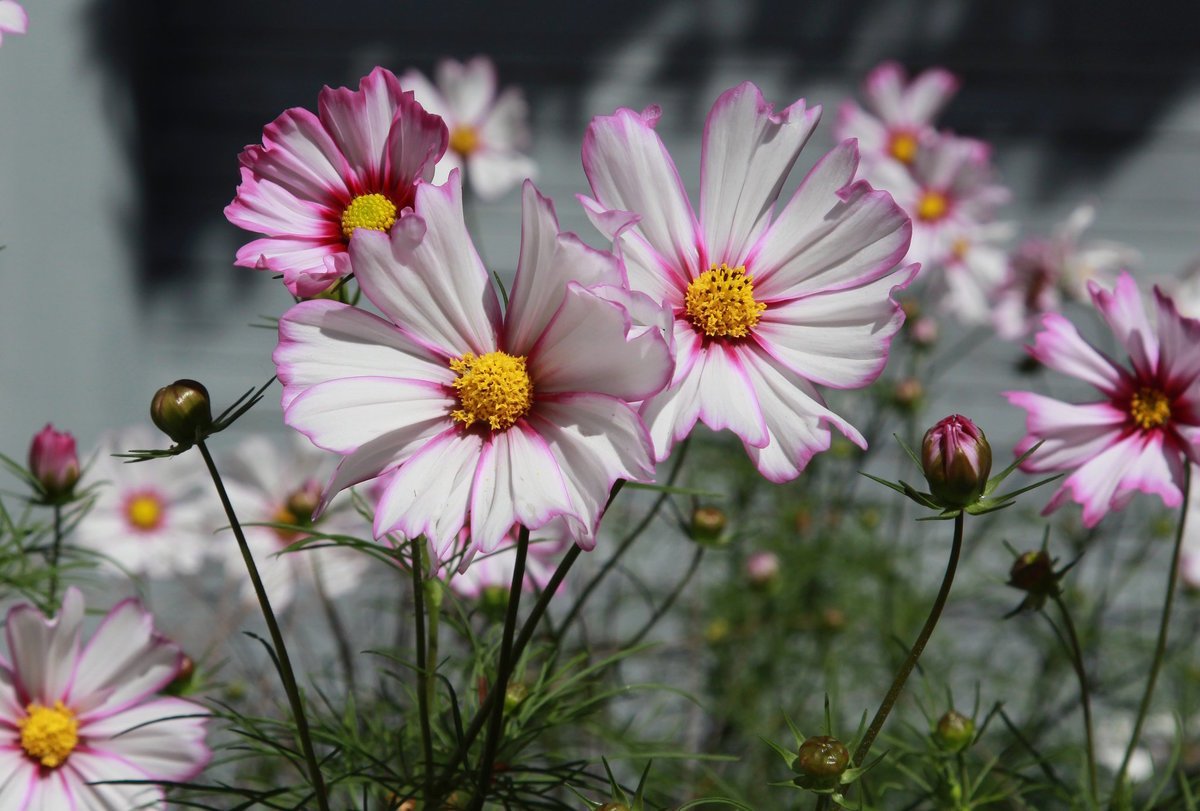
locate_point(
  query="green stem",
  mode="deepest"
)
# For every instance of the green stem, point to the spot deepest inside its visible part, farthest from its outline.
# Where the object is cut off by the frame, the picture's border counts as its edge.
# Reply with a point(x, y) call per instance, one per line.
point(54, 552)
point(340, 637)
point(286, 674)
point(893, 693)
point(1076, 654)
point(1161, 646)
point(507, 661)
point(422, 665)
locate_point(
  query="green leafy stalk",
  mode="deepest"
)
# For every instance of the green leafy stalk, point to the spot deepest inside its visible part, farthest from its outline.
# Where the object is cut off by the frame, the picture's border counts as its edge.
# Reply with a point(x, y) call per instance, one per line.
point(1076, 653)
point(54, 553)
point(422, 664)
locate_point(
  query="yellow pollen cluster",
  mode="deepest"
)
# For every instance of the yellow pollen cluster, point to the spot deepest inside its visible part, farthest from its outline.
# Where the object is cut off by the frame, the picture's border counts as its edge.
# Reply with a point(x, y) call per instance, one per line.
point(285, 516)
point(373, 211)
point(932, 206)
point(1149, 408)
point(720, 302)
point(959, 248)
point(144, 511)
point(464, 139)
point(49, 734)
point(492, 388)
point(903, 147)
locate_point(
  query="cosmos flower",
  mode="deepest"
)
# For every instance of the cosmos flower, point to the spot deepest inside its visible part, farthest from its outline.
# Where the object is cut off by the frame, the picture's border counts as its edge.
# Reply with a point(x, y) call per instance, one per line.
point(149, 518)
point(268, 484)
point(13, 19)
point(899, 114)
point(1145, 429)
point(502, 419)
point(966, 282)
point(316, 179)
point(764, 307)
point(72, 717)
point(488, 131)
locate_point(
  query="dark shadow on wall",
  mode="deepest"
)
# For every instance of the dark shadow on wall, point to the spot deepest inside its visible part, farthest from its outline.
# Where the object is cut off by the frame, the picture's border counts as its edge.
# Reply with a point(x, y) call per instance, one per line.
point(190, 84)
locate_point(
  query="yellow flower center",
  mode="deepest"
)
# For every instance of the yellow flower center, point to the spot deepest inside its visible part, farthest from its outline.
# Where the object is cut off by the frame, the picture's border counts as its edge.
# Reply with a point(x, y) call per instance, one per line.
point(49, 734)
point(932, 206)
point(720, 302)
point(144, 511)
point(903, 147)
point(1149, 408)
point(372, 211)
point(285, 516)
point(959, 248)
point(492, 388)
point(464, 139)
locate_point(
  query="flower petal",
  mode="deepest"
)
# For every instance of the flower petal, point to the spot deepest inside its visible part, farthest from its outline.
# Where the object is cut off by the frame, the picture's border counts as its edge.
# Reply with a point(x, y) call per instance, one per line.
point(467, 87)
point(299, 155)
point(492, 172)
point(13, 19)
point(1072, 433)
point(343, 415)
point(44, 651)
point(163, 738)
point(928, 93)
point(647, 272)
point(1060, 347)
point(1134, 463)
point(359, 121)
point(415, 143)
point(1124, 312)
point(506, 128)
point(18, 777)
point(747, 153)
point(271, 209)
point(727, 398)
point(427, 95)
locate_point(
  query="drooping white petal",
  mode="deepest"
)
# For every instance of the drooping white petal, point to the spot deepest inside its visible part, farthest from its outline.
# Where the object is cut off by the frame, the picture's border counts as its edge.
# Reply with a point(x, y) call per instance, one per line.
point(44, 651)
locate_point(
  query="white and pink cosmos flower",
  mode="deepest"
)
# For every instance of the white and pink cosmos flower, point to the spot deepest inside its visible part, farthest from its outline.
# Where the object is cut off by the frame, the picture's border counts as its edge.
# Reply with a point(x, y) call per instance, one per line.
point(900, 113)
point(765, 308)
point(1147, 427)
point(473, 415)
point(489, 131)
point(317, 178)
point(76, 718)
point(13, 19)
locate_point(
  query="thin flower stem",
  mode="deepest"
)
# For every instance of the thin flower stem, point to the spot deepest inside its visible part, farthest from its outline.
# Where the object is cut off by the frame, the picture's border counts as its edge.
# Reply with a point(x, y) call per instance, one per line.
point(422, 669)
point(54, 552)
point(893, 693)
point(1076, 654)
point(287, 675)
point(507, 660)
point(340, 637)
point(1161, 646)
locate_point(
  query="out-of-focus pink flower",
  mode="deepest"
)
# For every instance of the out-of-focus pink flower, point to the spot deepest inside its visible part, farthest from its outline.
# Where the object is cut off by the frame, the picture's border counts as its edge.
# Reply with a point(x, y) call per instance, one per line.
point(762, 569)
point(495, 570)
point(508, 419)
point(1044, 271)
point(957, 461)
point(899, 115)
point(764, 306)
point(54, 462)
point(13, 19)
point(489, 131)
point(78, 724)
point(318, 178)
point(1140, 436)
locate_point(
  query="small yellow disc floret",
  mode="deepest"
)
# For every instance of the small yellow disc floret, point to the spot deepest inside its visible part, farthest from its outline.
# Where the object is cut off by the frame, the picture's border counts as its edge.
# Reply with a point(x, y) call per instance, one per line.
point(1149, 408)
point(932, 206)
point(720, 302)
point(49, 734)
point(145, 511)
point(464, 140)
point(373, 211)
point(903, 147)
point(492, 388)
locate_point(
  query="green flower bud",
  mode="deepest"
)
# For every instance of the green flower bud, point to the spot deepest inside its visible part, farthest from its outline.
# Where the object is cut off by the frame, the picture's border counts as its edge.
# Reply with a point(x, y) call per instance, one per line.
point(820, 762)
point(514, 694)
point(957, 459)
point(182, 411)
point(708, 523)
point(954, 731)
point(1034, 572)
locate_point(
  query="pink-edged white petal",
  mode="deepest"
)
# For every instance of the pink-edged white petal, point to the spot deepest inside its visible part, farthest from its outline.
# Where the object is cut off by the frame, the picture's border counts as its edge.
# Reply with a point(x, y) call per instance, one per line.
point(506, 127)
point(299, 155)
point(671, 414)
point(414, 144)
point(549, 261)
point(630, 170)
point(1105, 481)
point(726, 397)
point(427, 95)
point(588, 347)
point(359, 122)
point(1072, 433)
point(518, 481)
point(830, 235)
point(841, 338)
point(884, 90)
point(598, 439)
point(928, 93)
point(344, 414)
point(18, 776)
point(13, 19)
point(307, 265)
point(63, 789)
point(467, 88)
point(646, 271)
point(429, 494)
point(44, 651)
point(163, 738)
point(270, 209)
point(427, 276)
point(1124, 312)
point(92, 777)
point(1178, 339)
point(1060, 347)
point(854, 122)
point(747, 152)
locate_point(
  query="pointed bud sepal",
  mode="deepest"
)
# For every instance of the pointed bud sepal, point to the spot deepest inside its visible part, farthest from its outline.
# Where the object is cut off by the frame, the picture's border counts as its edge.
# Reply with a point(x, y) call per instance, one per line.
point(182, 412)
point(618, 799)
point(822, 762)
point(1034, 573)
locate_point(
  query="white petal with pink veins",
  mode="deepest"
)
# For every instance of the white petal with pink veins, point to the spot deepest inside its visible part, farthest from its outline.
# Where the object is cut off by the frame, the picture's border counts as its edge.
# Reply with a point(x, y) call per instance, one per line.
point(299, 155)
point(359, 121)
point(726, 397)
point(344, 414)
point(163, 738)
point(44, 651)
point(1060, 347)
point(747, 153)
point(1072, 433)
point(1125, 313)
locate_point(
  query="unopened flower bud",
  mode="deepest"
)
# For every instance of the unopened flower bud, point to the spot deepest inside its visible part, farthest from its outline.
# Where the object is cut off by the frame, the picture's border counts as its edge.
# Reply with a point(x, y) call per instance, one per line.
point(954, 731)
point(957, 459)
point(184, 681)
point(514, 694)
point(303, 501)
point(54, 462)
point(907, 393)
point(923, 332)
point(708, 523)
point(182, 412)
point(1034, 572)
point(762, 570)
point(820, 762)
point(832, 619)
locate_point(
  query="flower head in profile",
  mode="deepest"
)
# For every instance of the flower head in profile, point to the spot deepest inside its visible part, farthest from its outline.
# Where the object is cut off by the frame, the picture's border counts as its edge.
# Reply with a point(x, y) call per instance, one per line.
point(76, 719)
point(272, 485)
point(13, 19)
point(765, 307)
point(489, 131)
point(1145, 428)
point(472, 415)
point(899, 112)
point(318, 178)
point(149, 518)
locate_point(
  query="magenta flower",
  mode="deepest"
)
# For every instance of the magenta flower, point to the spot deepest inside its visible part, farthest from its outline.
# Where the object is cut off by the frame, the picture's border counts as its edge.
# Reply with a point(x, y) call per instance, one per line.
point(13, 19)
point(764, 307)
point(470, 414)
point(54, 462)
point(957, 460)
point(73, 720)
point(317, 179)
point(1145, 429)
